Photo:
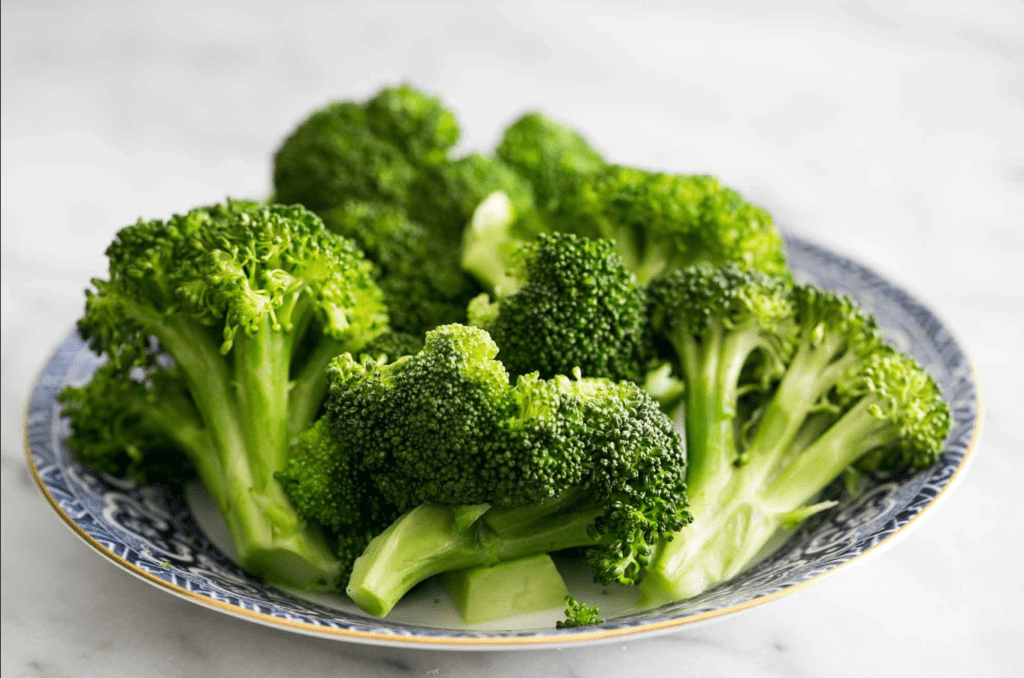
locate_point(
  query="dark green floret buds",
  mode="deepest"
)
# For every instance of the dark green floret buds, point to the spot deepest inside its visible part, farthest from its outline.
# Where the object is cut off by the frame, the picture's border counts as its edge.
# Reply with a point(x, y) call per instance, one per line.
point(569, 303)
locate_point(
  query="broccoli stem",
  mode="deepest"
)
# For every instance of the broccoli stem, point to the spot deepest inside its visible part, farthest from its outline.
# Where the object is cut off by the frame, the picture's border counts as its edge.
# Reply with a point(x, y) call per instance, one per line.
point(244, 411)
point(261, 362)
point(730, 522)
point(856, 433)
point(309, 387)
point(728, 533)
point(714, 548)
point(427, 541)
point(179, 420)
point(710, 405)
point(814, 370)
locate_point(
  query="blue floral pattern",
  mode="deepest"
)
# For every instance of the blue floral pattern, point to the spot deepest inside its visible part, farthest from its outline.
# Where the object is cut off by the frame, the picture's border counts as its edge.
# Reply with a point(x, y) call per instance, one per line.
point(150, 529)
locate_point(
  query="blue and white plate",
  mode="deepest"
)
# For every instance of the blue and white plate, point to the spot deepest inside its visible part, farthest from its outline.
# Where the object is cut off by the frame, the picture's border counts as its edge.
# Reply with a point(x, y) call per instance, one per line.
point(173, 538)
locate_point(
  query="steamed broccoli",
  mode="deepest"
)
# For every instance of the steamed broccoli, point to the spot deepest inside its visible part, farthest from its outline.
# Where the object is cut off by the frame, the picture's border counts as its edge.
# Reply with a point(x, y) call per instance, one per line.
point(417, 124)
point(371, 151)
point(334, 156)
point(550, 155)
point(443, 197)
point(579, 614)
point(657, 221)
point(217, 325)
point(660, 222)
point(569, 304)
point(487, 471)
point(420, 276)
point(786, 387)
point(133, 426)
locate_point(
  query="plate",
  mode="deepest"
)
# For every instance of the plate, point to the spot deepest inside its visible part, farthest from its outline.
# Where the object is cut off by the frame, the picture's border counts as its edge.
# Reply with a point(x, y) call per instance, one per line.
point(173, 538)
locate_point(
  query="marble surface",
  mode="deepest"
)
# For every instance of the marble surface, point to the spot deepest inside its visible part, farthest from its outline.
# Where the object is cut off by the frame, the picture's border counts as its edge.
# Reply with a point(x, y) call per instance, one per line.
point(890, 131)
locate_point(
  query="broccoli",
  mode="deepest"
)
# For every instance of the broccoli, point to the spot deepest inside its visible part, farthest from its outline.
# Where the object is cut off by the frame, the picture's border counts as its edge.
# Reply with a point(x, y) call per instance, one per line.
point(658, 221)
point(391, 346)
point(443, 197)
point(371, 152)
point(134, 427)
point(217, 326)
point(574, 305)
point(486, 471)
point(417, 124)
point(550, 155)
point(786, 387)
point(420, 276)
point(334, 156)
point(579, 614)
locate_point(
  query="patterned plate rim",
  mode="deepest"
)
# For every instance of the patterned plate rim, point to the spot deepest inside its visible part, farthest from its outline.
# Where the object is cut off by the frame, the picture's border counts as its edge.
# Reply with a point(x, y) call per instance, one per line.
point(561, 636)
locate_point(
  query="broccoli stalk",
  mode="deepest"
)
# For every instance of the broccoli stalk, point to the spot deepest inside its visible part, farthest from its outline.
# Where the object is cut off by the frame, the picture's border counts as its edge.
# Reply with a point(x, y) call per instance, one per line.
point(246, 305)
point(428, 540)
point(827, 394)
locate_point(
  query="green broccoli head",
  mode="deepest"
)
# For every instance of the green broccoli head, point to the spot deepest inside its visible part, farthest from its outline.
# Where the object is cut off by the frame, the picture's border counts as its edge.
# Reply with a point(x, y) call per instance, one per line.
point(114, 427)
point(579, 614)
point(706, 298)
point(445, 196)
point(576, 306)
point(550, 155)
point(231, 267)
point(425, 423)
point(417, 124)
point(912, 418)
point(591, 461)
point(786, 388)
point(334, 156)
point(373, 151)
point(422, 283)
point(660, 222)
point(217, 325)
point(636, 472)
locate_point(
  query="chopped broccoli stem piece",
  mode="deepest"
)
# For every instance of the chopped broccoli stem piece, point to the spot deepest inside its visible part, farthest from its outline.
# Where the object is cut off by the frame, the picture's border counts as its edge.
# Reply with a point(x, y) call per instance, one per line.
point(508, 589)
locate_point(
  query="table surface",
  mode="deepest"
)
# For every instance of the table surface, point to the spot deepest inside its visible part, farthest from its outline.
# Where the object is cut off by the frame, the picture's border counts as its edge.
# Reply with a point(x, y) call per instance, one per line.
point(888, 131)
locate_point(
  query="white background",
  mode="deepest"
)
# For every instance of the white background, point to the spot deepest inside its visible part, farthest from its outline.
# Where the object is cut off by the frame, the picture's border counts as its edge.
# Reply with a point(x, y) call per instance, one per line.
point(891, 131)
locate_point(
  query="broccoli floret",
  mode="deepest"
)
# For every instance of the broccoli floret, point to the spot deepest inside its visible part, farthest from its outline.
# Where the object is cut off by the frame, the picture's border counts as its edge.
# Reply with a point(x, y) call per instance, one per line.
point(786, 387)
point(444, 197)
point(660, 222)
point(574, 306)
point(550, 155)
point(391, 346)
point(334, 156)
point(544, 464)
point(579, 614)
point(219, 323)
point(424, 424)
point(417, 124)
point(326, 484)
point(373, 151)
point(420, 276)
point(135, 427)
